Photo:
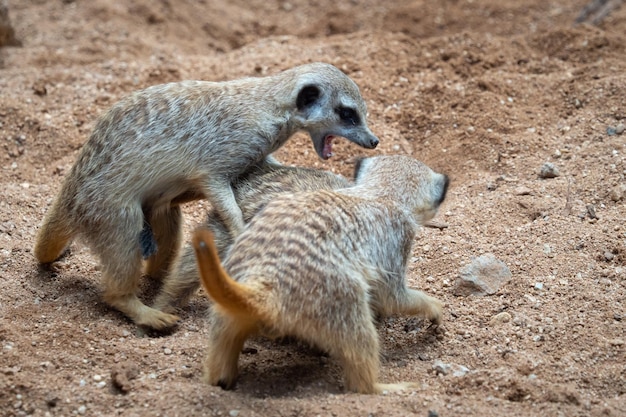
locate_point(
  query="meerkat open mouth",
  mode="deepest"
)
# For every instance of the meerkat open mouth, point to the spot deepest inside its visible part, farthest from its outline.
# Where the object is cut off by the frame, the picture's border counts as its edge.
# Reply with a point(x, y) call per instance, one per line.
point(327, 151)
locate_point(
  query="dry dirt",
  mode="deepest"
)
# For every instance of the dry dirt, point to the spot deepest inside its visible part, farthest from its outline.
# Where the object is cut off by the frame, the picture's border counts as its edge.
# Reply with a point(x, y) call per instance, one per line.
point(484, 90)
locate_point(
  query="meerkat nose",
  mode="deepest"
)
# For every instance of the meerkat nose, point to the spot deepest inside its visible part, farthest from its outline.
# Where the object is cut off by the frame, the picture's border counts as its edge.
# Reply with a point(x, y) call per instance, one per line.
point(373, 142)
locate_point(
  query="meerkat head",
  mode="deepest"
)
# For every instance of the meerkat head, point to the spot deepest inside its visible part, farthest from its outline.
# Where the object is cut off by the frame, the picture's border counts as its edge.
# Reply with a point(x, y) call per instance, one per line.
point(403, 180)
point(328, 104)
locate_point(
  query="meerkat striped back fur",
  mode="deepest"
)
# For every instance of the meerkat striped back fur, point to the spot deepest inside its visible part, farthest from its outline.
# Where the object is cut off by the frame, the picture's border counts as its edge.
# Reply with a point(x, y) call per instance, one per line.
point(183, 141)
point(319, 265)
point(253, 191)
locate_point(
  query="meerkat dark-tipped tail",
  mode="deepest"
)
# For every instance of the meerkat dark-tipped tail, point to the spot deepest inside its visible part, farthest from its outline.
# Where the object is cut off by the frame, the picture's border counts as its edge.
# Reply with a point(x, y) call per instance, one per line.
point(233, 297)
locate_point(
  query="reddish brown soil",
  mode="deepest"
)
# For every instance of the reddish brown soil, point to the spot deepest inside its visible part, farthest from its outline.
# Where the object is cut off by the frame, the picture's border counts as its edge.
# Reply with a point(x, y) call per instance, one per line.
point(484, 90)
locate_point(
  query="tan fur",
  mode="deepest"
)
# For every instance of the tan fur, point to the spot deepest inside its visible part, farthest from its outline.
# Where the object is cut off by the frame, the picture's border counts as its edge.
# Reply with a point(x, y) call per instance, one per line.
point(182, 141)
point(318, 266)
point(252, 192)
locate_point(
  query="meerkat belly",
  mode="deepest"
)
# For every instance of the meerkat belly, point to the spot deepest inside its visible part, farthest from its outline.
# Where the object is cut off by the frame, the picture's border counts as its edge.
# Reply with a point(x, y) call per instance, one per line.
point(172, 193)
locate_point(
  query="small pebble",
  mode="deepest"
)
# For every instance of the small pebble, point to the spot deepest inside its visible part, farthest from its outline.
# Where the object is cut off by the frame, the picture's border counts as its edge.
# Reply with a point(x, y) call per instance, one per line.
point(539, 285)
point(167, 351)
point(611, 131)
point(233, 413)
point(591, 212)
point(445, 368)
point(97, 378)
point(547, 249)
point(502, 317)
point(521, 190)
point(617, 193)
point(82, 409)
point(441, 368)
point(619, 129)
point(52, 400)
point(608, 256)
point(548, 170)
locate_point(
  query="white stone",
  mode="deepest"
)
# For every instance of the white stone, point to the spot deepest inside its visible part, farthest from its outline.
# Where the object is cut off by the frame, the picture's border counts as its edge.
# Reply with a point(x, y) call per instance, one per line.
point(485, 275)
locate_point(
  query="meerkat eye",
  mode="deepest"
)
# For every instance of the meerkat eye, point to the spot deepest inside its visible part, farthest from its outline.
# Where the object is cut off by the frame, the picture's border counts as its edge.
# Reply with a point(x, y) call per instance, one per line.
point(348, 115)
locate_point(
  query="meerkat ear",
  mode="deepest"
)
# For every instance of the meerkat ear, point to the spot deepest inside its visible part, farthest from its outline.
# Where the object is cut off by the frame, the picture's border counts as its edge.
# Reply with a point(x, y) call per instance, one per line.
point(443, 189)
point(307, 96)
point(358, 164)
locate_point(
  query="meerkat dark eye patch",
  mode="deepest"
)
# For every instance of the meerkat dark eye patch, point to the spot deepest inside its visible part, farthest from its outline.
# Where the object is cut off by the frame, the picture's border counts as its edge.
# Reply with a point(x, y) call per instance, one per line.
point(348, 115)
point(307, 96)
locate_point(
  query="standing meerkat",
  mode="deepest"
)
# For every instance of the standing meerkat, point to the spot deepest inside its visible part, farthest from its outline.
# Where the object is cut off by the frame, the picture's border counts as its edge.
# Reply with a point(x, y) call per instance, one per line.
point(260, 185)
point(319, 265)
point(179, 142)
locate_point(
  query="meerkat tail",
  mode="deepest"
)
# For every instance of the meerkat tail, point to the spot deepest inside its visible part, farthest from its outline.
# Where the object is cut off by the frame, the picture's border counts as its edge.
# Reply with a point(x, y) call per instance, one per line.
point(232, 296)
point(54, 235)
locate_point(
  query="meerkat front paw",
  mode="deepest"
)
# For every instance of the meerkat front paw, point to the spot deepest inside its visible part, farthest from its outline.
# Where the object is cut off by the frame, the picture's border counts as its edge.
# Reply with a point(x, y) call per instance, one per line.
point(434, 311)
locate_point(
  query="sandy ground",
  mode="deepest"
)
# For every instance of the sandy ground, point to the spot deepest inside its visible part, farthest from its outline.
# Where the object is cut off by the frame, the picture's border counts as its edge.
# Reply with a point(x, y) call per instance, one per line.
point(484, 90)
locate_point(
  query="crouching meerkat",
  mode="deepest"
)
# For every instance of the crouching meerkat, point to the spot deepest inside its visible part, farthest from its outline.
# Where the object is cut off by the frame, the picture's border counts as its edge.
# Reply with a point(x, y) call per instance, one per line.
point(179, 142)
point(319, 265)
point(260, 185)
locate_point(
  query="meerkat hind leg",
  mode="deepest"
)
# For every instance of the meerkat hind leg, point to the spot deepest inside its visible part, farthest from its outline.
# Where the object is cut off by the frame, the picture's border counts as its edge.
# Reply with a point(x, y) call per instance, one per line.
point(356, 345)
point(181, 282)
point(227, 337)
point(166, 227)
point(361, 364)
point(122, 272)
